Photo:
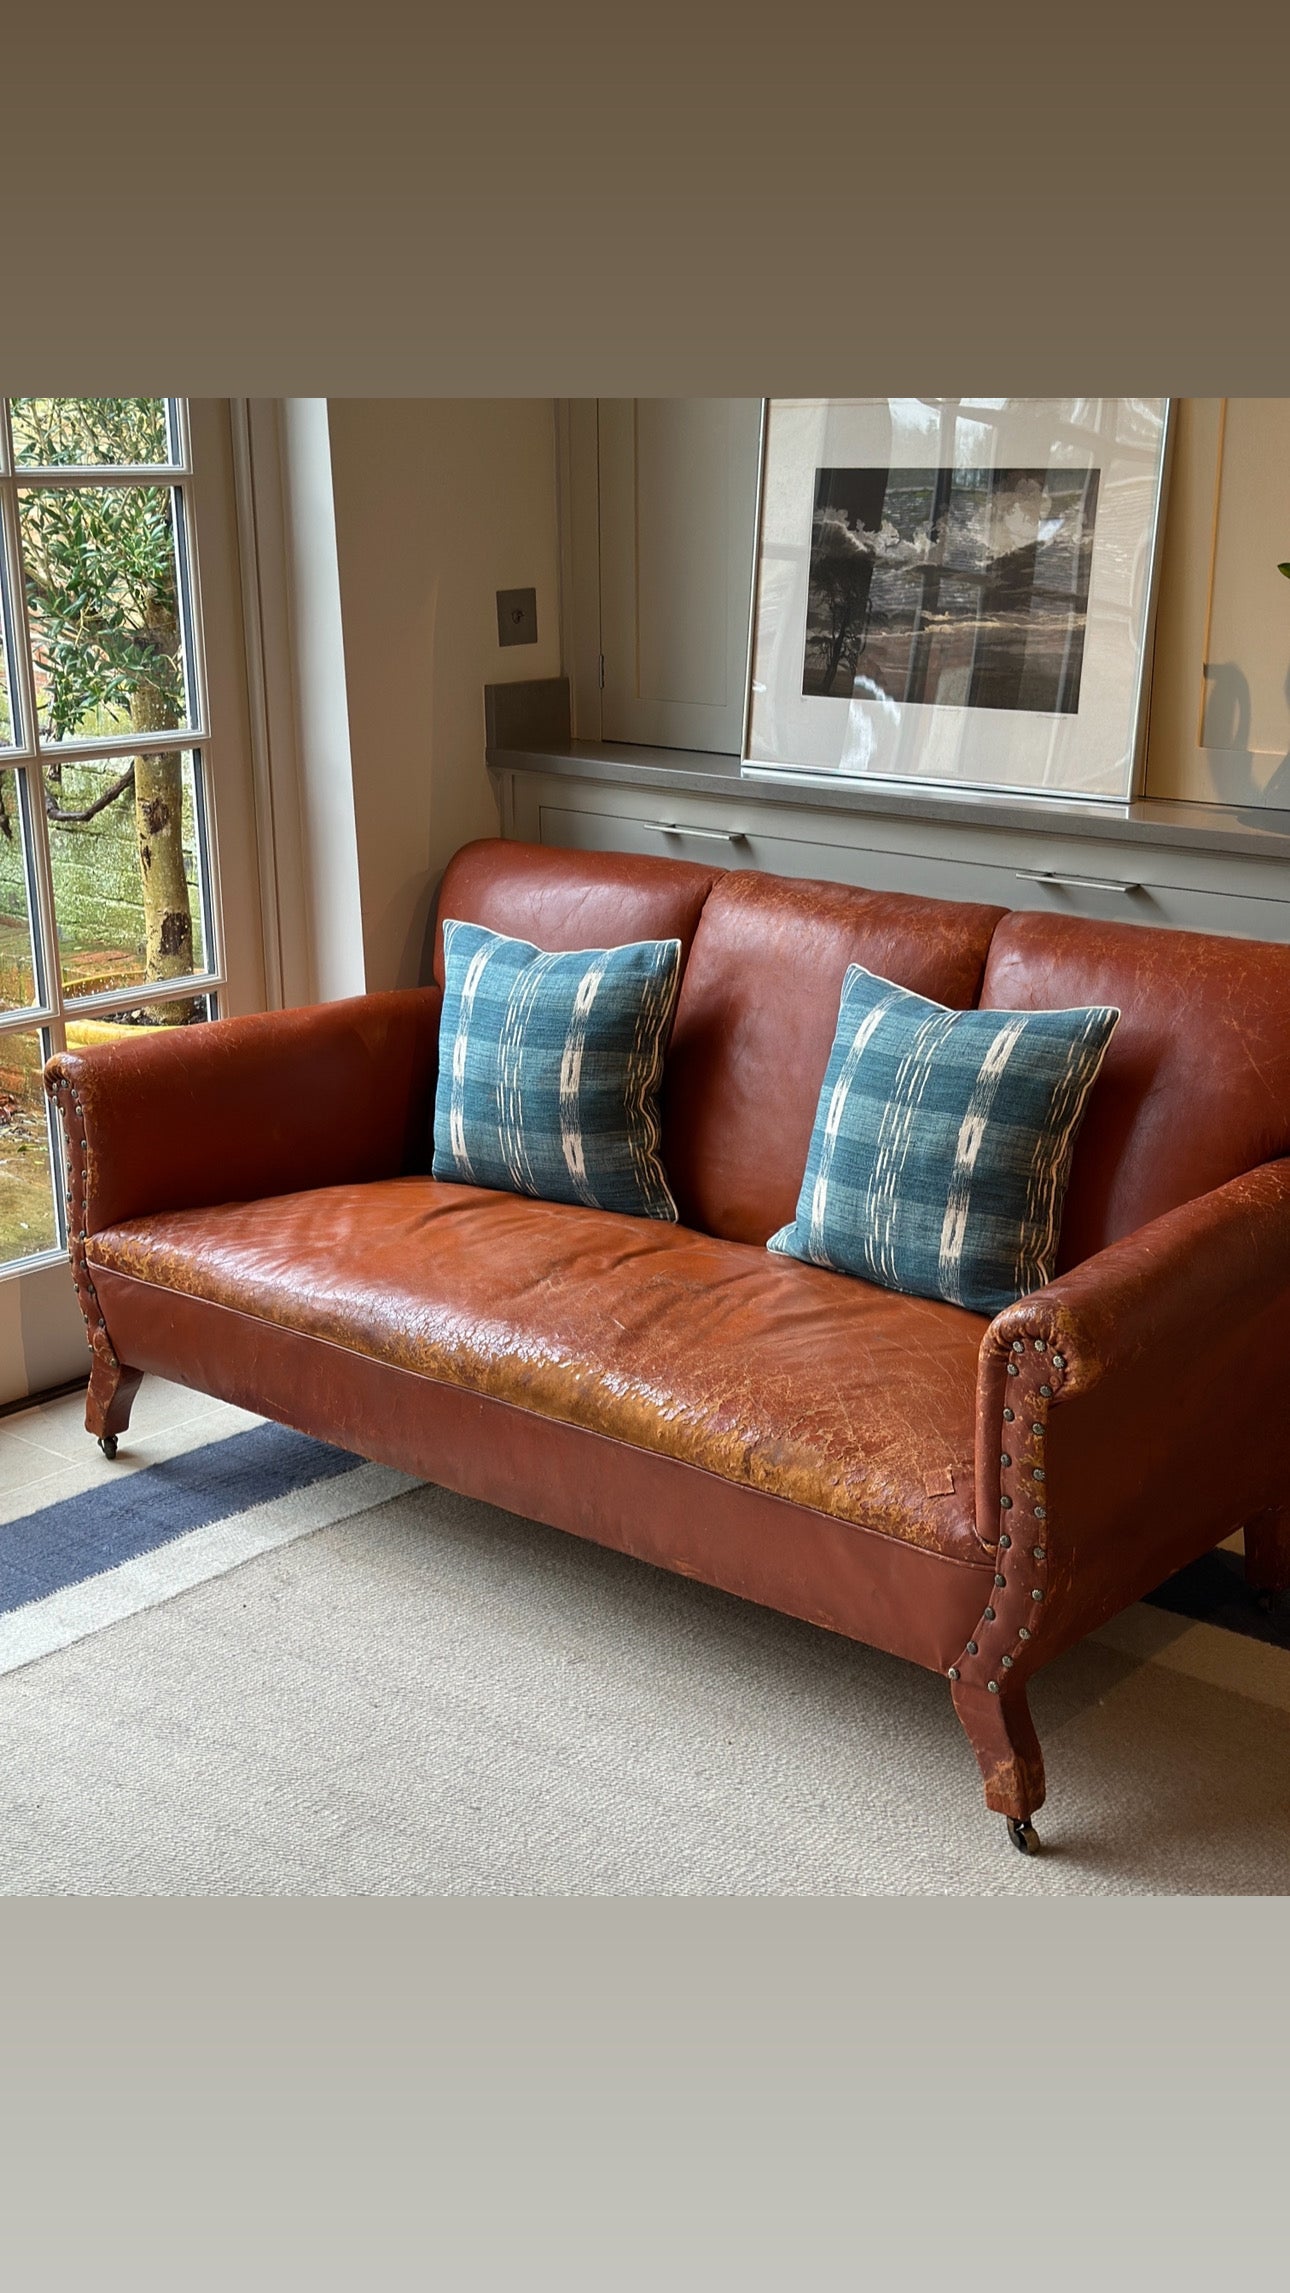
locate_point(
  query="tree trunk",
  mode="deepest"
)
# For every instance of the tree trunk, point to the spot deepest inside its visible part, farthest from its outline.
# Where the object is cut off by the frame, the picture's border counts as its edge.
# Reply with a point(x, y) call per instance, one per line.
point(159, 828)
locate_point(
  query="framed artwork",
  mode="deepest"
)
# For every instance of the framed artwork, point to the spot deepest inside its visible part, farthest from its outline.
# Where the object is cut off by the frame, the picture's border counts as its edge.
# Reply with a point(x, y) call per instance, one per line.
point(957, 592)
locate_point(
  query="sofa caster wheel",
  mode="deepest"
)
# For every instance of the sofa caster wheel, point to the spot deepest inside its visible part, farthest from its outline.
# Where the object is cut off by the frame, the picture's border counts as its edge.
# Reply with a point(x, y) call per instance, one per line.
point(1022, 1833)
point(107, 1443)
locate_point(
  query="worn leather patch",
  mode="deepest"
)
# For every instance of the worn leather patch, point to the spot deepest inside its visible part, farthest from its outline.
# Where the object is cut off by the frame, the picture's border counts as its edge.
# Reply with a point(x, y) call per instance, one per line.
point(834, 1394)
point(940, 1483)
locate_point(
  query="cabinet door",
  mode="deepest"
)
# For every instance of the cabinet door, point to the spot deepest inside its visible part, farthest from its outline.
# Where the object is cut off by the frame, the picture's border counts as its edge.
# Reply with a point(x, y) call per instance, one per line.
point(678, 503)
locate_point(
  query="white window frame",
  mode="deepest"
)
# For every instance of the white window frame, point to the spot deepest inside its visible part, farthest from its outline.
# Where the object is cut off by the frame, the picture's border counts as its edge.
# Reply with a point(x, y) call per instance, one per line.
point(219, 735)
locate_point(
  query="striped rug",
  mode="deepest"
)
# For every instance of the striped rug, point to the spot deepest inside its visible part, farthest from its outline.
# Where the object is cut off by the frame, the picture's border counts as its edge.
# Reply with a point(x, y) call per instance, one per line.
point(323, 1678)
point(137, 1532)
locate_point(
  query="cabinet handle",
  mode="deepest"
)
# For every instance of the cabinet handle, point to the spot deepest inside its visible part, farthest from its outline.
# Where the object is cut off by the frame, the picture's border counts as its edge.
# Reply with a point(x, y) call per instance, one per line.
point(1075, 883)
point(703, 835)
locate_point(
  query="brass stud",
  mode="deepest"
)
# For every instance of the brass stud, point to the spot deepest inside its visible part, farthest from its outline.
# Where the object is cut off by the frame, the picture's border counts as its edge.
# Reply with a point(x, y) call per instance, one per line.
point(1039, 1345)
point(1040, 1474)
point(1040, 1553)
point(1005, 1459)
point(993, 1687)
point(1006, 1503)
point(1041, 1512)
point(1007, 1417)
point(1008, 1661)
point(971, 1648)
point(1018, 1346)
point(1059, 1361)
point(989, 1615)
point(1038, 1430)
point(1024, 1633)
point(1047, 1392)
point(1036, 1594)
point(1013, 1370)
point(1001, 1581)
point(954, 1672)
point(1005, 1540)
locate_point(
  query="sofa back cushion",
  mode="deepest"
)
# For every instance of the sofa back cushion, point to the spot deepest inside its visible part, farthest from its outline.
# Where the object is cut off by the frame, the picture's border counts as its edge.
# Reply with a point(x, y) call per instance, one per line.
point(566, 900)
point(756, 1020)
point(1195, 1087)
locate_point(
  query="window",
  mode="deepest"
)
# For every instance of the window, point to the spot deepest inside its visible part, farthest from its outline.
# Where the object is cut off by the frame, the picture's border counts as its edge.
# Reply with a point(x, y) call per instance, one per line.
point(109, 914)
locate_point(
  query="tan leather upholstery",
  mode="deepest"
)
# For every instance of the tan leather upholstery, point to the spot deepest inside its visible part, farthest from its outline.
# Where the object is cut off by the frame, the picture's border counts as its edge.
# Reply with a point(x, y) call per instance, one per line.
point(562, 900)
point(1195, 1087)
point(897, 1596)
point(755, 1023)
point(786, 1378)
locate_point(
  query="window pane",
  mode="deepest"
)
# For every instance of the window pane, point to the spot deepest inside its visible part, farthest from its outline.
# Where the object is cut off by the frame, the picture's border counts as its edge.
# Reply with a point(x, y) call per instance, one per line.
point(111, 1026)
point(125, 842)
point(103, 601)
point(27, 1220)
point(17, 965)
point(6, 711)
point(48, 432)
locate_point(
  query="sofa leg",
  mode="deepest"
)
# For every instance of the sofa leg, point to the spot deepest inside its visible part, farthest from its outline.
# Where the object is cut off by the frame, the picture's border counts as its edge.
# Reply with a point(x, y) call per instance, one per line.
point(109, 1401)
point(1267, 1554)
point(1002, 1734)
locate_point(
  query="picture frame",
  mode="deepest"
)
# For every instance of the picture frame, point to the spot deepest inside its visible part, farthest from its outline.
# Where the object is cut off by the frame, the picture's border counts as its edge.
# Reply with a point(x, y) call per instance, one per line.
point(957, 593)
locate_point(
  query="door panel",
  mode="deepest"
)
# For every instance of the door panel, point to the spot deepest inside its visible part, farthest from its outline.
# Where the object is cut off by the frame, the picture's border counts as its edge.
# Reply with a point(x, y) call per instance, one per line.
point(678, 499)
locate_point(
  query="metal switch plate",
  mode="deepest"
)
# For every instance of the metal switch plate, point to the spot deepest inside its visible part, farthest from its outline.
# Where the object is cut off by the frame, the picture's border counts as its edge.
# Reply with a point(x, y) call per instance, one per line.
point(517, 616)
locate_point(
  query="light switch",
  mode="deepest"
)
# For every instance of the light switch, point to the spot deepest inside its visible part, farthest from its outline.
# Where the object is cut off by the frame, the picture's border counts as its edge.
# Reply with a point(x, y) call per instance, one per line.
point(517, 616)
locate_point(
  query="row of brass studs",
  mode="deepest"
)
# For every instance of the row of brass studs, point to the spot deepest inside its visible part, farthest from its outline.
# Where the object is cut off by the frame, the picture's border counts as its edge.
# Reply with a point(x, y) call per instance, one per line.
point(80, 1211)
point(1039, 1511)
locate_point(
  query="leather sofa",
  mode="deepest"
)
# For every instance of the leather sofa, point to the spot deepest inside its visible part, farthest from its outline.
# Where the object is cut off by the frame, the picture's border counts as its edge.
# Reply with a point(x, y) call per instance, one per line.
point(252, 1216)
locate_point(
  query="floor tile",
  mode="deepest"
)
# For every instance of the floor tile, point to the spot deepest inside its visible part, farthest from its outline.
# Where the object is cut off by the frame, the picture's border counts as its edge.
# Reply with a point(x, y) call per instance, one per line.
point(22, 1464)
point(159, 1406)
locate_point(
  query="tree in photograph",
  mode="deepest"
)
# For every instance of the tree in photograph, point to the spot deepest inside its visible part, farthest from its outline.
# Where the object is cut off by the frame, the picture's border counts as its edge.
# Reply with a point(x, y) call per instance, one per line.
point(101, 591)
point(841, 578)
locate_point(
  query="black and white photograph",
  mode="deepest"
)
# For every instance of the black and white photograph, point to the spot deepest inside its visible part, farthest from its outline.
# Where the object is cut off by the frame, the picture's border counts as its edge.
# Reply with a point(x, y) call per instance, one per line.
point(964, 587)
point(957, 592)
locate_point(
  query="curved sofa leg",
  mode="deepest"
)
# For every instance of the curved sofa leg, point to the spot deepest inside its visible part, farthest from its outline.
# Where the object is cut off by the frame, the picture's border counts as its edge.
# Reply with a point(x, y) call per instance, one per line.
point(110, 1399)
point(1002, 1734)
point(1267, 1551)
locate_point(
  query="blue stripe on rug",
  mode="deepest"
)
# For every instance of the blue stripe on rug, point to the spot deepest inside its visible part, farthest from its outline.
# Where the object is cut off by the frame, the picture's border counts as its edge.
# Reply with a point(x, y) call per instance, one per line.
point(83, 1536)
point(1213, 1590)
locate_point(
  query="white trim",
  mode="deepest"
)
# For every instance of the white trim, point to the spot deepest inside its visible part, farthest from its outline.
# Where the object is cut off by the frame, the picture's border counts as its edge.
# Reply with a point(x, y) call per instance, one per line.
point(578, 519)
point(322, 702)
point(249, 571)
point(300, 752)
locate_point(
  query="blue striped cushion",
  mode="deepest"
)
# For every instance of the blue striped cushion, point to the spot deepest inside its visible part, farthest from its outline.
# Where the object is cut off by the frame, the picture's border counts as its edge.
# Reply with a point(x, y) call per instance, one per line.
point(549, 1068)
point(942, 1144)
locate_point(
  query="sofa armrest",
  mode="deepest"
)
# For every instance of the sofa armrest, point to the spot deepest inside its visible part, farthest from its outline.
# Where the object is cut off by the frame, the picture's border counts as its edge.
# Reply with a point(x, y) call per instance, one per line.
point(1227, 1253)
point(1131, 1414)
point(180, 1118)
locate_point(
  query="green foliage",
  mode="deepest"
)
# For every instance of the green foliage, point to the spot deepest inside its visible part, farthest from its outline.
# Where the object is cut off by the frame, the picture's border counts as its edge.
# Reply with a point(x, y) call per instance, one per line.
point(100, 566)
point(1284, 569)
point(48, 432)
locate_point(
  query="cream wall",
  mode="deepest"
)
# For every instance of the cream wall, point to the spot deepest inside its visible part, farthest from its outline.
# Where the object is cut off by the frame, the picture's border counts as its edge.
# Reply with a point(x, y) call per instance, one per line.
point(439, 504)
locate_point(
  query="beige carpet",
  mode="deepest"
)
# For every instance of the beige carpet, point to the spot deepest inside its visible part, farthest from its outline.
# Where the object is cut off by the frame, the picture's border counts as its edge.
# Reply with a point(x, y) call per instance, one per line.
point(434, 1698)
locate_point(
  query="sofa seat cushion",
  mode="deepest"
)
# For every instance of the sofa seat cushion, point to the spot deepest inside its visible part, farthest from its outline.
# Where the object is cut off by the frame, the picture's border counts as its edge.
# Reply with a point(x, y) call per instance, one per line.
point(794, 1380)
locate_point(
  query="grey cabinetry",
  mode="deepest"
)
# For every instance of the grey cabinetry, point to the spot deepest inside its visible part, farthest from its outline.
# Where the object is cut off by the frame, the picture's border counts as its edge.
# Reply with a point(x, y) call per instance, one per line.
point(1129, 879)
